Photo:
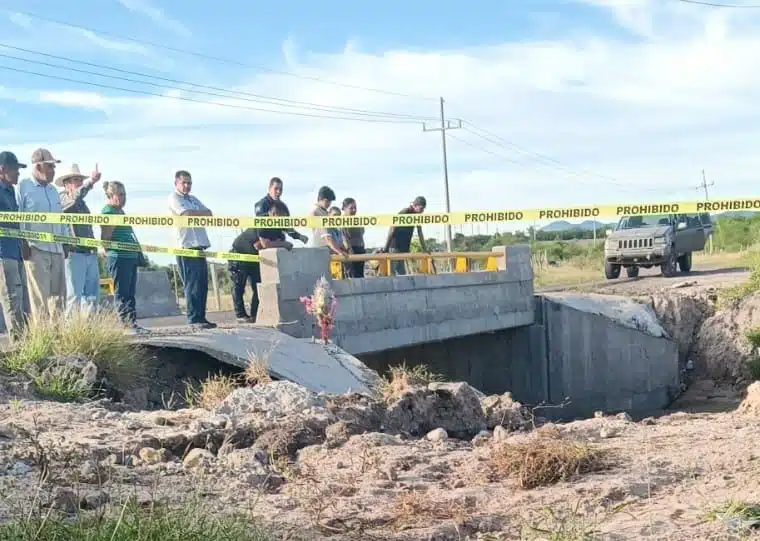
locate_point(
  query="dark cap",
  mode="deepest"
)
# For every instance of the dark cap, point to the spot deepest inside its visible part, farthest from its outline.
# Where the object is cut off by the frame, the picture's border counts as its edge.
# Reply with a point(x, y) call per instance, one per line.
point(9, 158)
point(421, 201)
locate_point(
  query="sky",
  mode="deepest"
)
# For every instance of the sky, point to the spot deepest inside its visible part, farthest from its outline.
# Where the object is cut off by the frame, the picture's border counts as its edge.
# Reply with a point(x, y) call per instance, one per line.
point(562, 102)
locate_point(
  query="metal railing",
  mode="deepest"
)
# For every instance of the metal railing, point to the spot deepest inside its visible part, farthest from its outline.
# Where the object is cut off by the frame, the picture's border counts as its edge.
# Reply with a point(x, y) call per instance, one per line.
point(108, 282)
point(425, 262)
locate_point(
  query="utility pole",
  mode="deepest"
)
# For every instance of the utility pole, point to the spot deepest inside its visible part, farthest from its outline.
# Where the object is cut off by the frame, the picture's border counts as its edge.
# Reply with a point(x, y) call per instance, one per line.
point(704, 186)
point(445, 125)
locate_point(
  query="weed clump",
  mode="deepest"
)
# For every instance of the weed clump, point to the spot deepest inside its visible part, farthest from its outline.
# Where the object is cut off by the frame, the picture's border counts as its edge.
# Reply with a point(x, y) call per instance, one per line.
point(212, 391)
point(96, 336)
point(400, 378)
point(543, 460)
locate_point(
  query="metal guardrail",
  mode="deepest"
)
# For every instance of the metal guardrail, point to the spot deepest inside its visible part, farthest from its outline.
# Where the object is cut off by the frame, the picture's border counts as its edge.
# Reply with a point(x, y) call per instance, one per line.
point(426, 265)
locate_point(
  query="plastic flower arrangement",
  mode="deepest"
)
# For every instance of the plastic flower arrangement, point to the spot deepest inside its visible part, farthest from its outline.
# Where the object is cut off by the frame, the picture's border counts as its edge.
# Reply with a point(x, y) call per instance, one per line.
point(322, 305)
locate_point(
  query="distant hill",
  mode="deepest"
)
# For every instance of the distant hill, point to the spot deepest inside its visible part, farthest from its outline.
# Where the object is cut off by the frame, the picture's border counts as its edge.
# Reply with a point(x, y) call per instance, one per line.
point(588, 225)
point(562, 225)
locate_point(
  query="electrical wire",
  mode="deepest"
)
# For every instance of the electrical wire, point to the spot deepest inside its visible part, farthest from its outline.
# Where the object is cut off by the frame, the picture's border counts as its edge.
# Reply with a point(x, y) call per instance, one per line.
point(218, 104)
point(717, 5)
point(246, 96)
point(220, 59)
point(577, 174)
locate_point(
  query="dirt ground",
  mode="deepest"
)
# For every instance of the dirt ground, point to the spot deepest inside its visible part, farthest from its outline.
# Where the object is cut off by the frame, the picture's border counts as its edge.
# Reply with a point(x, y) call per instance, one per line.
point(663, 478)
point(336, 469)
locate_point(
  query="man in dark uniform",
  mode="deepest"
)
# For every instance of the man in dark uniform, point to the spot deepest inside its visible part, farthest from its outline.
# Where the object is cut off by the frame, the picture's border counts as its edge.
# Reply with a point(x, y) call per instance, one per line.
point(400, 238)
point(274, 194)
point(250, 242)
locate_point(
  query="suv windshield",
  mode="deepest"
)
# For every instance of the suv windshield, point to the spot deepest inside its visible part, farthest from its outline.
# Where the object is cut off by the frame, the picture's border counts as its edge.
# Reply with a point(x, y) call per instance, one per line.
point(636, 222)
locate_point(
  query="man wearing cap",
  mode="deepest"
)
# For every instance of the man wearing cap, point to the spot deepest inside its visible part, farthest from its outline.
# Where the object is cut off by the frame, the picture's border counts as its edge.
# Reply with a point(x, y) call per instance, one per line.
point(400, 238)
point(82, 271)
point(13, 294)
point(44, 260)
point(192, 270)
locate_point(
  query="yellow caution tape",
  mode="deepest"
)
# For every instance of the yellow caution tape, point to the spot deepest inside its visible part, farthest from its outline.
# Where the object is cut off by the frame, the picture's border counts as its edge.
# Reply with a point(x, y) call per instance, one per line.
point(387, 220)
point(124, 246)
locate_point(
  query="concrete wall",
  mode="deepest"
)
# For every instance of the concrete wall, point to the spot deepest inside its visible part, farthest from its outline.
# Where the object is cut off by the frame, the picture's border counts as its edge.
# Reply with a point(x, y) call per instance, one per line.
point(381, 313)
point(601, 365)
point(589, 359)
point(155, 297)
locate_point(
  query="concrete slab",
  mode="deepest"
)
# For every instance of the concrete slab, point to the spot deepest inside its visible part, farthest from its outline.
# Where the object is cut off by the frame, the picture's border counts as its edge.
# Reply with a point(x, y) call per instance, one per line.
point(318, 367)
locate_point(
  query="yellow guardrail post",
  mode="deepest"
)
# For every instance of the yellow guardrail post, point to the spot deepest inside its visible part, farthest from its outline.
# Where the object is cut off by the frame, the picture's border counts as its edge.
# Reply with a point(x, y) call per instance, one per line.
point(108, 282)
point(336, 269)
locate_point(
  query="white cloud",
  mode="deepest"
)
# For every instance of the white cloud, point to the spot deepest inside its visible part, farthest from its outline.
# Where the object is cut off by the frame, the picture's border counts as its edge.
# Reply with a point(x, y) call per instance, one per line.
point(643, 114)
point(82, 100)
point(21, 20)
point(157, 15)
point(109, 44)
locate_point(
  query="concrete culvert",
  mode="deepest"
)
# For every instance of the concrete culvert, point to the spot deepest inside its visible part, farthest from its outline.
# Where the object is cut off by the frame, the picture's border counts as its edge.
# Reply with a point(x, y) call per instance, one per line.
point(168, 374)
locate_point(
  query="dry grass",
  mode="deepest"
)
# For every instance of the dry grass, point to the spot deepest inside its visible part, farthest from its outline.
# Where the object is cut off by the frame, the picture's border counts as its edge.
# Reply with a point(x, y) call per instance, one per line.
point(418, 509)
point(400, 378)
point(543, 460)
point(212, 391)
point(98, 336)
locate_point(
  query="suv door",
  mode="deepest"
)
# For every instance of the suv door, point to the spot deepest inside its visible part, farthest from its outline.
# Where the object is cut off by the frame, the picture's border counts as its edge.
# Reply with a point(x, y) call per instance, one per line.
point(700, 234)
point(683, 236)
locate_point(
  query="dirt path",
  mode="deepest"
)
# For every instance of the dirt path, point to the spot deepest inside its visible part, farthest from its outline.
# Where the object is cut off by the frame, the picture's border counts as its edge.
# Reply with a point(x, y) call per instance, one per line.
point(651, 281)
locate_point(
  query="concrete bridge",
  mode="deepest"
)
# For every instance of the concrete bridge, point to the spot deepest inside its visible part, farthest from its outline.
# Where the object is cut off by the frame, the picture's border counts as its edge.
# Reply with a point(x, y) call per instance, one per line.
point(488, 328)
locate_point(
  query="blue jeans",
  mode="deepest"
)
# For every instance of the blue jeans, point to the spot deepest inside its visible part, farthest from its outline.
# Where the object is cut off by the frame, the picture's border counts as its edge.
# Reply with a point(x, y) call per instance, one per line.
point(123, 270)
point(82, 280)
point(194, 274)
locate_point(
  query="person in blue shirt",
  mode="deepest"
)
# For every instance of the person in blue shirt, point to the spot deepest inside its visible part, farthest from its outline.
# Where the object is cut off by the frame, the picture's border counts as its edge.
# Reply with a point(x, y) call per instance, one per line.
point(13, 292)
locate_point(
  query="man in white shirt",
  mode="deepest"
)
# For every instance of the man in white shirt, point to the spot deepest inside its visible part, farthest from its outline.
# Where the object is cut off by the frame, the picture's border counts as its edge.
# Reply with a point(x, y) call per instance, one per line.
point(44, 260)
point(192, 270)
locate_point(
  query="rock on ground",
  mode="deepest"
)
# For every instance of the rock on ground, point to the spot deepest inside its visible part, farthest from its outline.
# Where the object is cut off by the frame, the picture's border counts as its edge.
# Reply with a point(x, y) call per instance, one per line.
point(751, 403)
point(503, 410)
point(276, 399)
point(454, 407)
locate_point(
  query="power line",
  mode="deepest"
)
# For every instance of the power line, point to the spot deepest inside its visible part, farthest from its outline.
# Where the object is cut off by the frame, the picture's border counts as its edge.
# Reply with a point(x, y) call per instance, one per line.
point(717, 5)
point(229, 95)
point(575, 173)
point(218, 104)
point(219, 59)
point(249, 96)
point(541, 158)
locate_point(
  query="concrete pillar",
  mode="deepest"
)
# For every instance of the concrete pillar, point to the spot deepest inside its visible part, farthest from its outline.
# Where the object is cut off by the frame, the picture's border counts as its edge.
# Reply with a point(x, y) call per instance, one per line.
point(518, 262)
point(286, 276)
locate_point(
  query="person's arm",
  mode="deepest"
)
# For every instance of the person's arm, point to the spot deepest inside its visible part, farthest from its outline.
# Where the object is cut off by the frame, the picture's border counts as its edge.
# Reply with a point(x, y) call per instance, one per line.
point(26, 251)
point(106, 232)
point(266, 243)
point(422, 238)
point(68, 199)
point(334, 246)
point(177, 207)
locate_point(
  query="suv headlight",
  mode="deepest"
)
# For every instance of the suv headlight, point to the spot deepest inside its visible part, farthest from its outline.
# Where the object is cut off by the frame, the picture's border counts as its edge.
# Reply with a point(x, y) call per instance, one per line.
point(660, 241)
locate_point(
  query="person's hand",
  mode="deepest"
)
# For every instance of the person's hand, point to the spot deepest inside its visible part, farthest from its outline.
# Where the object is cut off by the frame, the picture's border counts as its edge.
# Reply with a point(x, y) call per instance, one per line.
point(95, 175)
point(288, 245)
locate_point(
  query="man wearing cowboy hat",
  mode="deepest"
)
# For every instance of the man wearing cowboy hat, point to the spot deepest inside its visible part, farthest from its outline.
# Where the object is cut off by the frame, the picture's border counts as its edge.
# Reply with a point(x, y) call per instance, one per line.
point(82, 271)
point(44, 260)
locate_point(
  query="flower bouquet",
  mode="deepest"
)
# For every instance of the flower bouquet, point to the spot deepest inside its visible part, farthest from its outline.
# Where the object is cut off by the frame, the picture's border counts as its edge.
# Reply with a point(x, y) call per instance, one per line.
point(322, 305)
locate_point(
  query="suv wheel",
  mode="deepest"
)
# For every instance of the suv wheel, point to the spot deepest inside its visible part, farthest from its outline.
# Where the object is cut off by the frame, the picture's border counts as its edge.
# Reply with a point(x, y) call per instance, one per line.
point(611, 271)
point(684, 262)
point(632, 272)
point(670, 267)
